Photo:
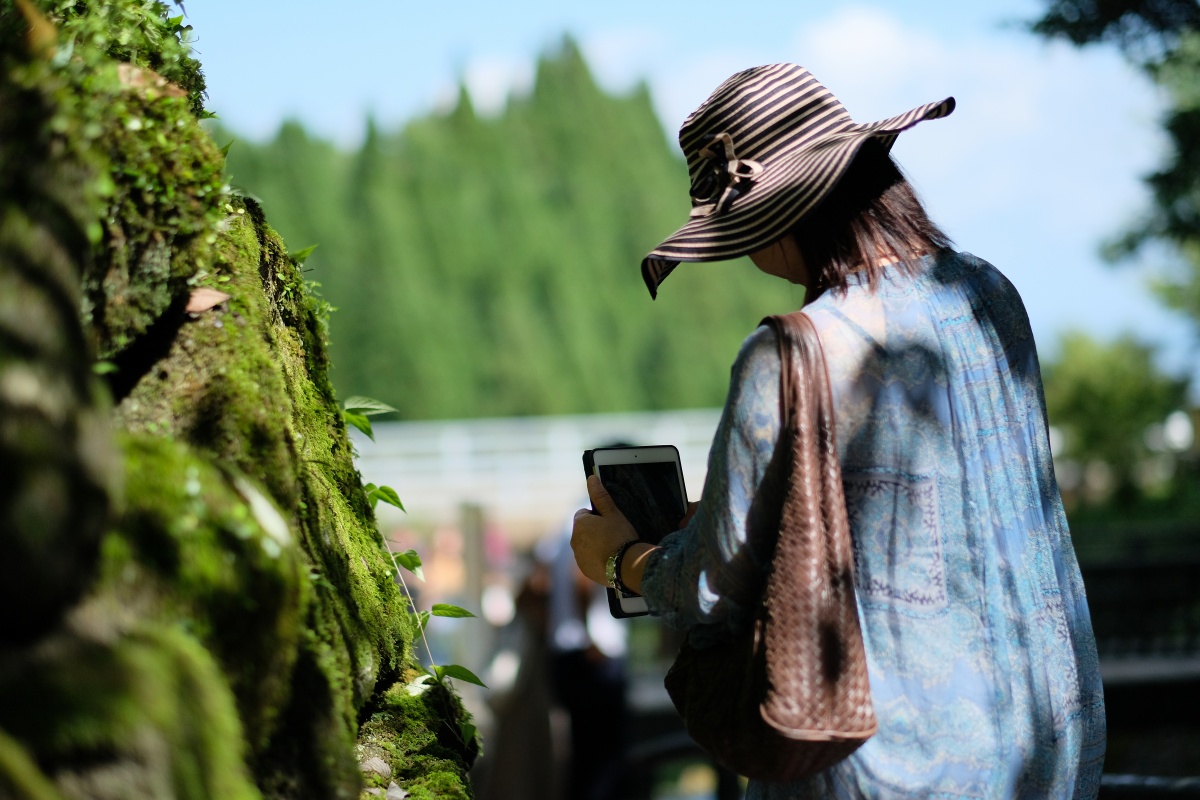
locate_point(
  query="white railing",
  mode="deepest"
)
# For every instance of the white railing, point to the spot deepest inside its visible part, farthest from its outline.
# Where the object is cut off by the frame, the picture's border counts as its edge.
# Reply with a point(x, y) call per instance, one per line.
point(525, 473)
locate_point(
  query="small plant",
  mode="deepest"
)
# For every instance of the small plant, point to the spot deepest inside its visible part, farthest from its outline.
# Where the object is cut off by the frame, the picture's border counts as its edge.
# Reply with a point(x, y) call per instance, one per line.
point(356, 411)
point(434, 674)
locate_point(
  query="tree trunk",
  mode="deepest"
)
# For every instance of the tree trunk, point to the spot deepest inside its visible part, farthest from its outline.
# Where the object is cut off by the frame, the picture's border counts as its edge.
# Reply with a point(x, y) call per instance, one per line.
point(198, 602)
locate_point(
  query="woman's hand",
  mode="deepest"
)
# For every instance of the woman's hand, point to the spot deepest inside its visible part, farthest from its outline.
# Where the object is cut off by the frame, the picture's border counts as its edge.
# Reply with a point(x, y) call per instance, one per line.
point(596, 536)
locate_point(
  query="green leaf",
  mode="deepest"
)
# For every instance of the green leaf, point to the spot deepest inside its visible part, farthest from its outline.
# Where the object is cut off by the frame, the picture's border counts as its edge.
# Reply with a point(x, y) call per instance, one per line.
point(359, 421)
point(370, 489)
point(467, 731)
point(225, 149)
point(459, 673)
point(104, 367)
point(367, 406)
point(418, 685)
point(300, 255)
point(410, 561)
point(447, 610)
point(388, 495)
point(423, 619)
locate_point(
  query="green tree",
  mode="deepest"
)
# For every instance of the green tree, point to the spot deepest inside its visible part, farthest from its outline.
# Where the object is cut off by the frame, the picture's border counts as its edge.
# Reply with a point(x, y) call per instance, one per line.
point(1103, 397)
point(1162, 37)
point(200, 602)
point(489, 266)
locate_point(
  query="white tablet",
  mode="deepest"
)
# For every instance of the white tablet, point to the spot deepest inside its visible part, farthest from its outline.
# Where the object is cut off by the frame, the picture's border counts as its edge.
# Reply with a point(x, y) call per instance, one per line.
point(646, 483)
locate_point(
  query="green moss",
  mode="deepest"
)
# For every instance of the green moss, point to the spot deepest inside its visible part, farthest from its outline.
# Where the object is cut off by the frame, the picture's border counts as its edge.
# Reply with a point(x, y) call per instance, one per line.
point(146, 715)
point(58, 465)
point(415, 736)
point(20, 778)
point(219, 640)
point(204, 547)
point(125, 95)
point(247, 382)
point(161, 218)
point(141, 32)
point(217, 383)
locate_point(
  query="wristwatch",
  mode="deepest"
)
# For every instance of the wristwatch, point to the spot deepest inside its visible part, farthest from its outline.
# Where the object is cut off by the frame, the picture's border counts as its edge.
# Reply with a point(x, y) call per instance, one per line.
point(612, 568)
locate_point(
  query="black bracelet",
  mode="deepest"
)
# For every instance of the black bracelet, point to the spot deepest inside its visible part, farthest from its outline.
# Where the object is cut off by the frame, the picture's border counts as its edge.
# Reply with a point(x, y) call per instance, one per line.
point(620, 556)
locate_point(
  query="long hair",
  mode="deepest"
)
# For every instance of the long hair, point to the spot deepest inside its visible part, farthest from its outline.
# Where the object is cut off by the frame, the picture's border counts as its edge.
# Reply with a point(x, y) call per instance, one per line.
point(872, 213)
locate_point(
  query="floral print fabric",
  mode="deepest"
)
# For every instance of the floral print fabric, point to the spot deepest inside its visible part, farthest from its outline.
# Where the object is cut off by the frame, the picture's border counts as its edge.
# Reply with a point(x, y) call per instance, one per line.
point(980, 651)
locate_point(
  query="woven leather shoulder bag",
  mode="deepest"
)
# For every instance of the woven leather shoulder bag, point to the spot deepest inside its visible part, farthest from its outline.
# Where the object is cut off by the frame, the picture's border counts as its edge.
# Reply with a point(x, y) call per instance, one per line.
point(789, 697)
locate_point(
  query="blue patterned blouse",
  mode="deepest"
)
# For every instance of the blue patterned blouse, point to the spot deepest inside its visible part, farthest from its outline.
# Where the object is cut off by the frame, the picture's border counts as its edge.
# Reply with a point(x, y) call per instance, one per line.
point(980, 649)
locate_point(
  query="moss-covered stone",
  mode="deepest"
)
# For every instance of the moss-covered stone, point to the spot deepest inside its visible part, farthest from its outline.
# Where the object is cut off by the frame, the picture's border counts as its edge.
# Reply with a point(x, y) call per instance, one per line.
point(160, 219)
point(241, 619)
point(145, 714)
point(56, 464)
point(201, 545)
point(413, 733)
point(237, 381)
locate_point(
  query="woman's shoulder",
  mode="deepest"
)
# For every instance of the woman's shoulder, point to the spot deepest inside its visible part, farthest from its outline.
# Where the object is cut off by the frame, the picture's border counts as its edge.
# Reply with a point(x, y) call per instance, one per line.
point(758, 357)
point(761, 343)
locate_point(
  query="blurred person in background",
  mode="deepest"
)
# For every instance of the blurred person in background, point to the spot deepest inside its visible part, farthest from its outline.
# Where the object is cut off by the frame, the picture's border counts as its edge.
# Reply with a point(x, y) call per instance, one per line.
point(586, 650)
point(982, 662)
point(521, 759)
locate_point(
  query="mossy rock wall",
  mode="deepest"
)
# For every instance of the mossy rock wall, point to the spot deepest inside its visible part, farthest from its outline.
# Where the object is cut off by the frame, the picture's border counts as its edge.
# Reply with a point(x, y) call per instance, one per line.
point(209, 609)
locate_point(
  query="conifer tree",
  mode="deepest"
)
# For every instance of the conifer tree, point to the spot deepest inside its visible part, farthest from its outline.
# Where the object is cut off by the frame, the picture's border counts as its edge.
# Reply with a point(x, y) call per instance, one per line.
point(489, 266)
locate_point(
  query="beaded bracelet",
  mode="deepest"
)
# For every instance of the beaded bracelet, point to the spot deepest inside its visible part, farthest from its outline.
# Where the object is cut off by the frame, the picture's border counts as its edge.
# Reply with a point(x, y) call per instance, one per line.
point(617, 559)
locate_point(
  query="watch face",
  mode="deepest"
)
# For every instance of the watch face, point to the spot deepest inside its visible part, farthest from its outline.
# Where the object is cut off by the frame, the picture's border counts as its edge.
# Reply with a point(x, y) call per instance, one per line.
point(610, 571)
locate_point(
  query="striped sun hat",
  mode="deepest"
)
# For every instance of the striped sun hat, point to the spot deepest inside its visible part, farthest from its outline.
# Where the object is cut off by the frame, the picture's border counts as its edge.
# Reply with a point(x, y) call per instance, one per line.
point(763, 151)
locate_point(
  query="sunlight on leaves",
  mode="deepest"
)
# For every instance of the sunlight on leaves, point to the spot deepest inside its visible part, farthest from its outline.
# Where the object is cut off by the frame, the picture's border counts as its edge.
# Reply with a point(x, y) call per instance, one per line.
point(447, 610)
point(359, 421)
point(410, 561)
point(299, 255)
point(367, 406)
point(419, 685)
point(459, 673)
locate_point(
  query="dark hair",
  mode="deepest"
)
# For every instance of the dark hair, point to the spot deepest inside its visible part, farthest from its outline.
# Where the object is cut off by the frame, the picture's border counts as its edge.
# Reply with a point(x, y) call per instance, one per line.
point(872, 212)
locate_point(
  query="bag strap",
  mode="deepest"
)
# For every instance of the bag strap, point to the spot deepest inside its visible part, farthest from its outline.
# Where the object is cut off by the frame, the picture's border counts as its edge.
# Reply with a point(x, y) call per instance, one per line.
point(816, 661)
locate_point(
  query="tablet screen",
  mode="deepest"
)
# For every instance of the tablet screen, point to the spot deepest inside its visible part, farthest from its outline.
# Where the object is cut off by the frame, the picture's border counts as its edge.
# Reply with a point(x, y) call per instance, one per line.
point(648, 494)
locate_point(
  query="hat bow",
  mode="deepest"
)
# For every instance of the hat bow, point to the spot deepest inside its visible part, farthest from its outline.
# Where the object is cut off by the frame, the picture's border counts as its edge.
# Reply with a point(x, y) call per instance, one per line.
point(723, 179)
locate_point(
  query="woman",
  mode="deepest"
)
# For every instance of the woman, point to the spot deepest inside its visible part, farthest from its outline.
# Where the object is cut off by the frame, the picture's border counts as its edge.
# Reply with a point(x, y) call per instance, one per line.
point(982, 662)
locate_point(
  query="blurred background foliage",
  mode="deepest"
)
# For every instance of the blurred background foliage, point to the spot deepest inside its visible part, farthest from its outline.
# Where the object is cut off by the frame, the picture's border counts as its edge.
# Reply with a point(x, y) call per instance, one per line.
point(1162, 39)
point(489, 266)
point(1125, 435)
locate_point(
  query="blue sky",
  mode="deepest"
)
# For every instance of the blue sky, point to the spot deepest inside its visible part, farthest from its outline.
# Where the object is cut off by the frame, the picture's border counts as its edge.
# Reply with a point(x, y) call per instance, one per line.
point(1040, 162)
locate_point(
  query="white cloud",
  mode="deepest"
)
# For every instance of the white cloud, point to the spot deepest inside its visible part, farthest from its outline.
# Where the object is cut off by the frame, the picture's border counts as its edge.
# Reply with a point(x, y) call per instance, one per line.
point(619, 57)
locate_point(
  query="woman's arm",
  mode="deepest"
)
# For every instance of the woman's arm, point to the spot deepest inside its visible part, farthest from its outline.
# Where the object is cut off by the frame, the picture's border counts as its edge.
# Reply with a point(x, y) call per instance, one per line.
point(597, 535)
point(708, 573)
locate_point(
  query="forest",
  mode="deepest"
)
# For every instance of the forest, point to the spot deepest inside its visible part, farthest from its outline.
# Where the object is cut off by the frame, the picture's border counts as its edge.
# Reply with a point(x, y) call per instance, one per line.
point(489, 266)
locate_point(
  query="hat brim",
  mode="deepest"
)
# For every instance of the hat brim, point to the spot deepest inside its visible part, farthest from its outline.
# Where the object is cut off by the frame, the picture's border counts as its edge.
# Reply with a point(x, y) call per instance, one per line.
point(788, 188)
